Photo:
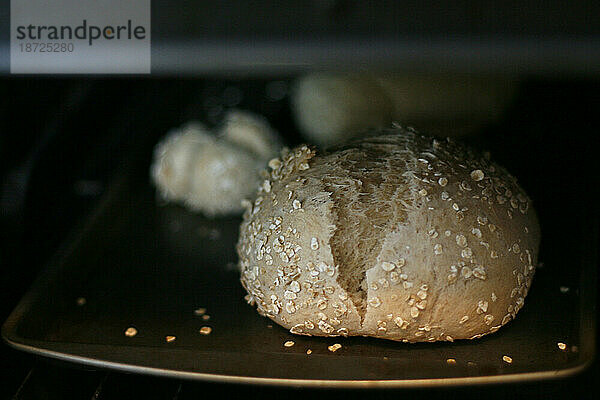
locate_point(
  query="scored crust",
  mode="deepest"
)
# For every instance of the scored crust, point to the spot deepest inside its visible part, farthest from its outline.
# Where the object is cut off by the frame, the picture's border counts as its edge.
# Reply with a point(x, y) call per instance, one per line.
point(397, 236)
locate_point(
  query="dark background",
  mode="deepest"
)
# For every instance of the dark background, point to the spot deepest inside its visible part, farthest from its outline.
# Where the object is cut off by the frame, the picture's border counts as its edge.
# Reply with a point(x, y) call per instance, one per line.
point(56, 165)
point(62, 139)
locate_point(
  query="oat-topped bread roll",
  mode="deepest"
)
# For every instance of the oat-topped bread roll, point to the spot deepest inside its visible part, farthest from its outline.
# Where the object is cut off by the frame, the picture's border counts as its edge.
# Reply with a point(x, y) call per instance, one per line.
point(397, 236)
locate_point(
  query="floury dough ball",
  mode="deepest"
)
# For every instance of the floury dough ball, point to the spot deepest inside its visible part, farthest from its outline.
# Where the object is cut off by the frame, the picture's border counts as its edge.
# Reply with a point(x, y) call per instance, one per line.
point(397, 236)
point(251, 132)
point(331, 108)
point(212, 173)
point(221, 176)
point(173, 157)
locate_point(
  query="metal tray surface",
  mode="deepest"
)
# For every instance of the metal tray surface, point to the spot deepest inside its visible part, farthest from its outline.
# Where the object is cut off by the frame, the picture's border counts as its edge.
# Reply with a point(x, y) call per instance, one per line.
point(140, 264)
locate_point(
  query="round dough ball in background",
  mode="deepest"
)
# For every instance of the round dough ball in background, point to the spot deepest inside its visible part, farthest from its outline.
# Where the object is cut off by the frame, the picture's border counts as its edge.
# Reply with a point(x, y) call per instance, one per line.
point(173, 157)
point(251, 132)
point(330, 108)
point(213, 172)
point(397, 236)
point(449, 104)
point(221, 176)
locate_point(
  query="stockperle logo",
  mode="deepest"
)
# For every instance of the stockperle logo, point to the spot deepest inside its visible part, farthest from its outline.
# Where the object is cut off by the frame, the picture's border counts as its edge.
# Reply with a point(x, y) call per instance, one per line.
point(80, 36)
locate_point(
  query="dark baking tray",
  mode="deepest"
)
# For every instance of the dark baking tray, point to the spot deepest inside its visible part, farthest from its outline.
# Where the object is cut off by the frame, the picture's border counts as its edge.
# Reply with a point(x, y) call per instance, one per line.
point(141, 264)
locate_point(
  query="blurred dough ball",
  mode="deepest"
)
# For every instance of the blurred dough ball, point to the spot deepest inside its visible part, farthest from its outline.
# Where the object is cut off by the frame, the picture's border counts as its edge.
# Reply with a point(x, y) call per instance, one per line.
point(173, 157)
point(251, 132)
point(221, 176)
point(213, 173)
point(331, 108)
point(453, 104)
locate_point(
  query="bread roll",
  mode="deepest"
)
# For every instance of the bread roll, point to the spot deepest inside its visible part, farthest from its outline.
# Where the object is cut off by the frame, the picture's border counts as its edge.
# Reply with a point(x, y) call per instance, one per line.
point(251, 132)
point(331, 108)
point(172, 158)
point(212, 172)
point(397, 236)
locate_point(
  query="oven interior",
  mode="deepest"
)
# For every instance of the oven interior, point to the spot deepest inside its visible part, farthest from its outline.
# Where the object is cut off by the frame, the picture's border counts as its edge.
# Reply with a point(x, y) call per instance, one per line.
point(61, 163)
point(65, 141)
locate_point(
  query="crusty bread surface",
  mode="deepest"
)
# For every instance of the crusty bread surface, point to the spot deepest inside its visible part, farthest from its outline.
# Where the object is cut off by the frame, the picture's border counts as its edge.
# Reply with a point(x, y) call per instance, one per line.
point(397, 236)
